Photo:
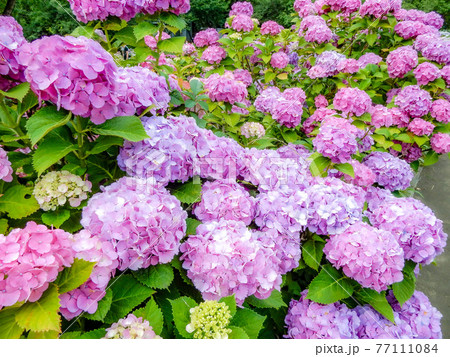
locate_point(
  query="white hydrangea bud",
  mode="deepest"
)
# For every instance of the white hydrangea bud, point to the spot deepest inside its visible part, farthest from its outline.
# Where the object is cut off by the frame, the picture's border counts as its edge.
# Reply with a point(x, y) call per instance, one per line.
point(131, 327)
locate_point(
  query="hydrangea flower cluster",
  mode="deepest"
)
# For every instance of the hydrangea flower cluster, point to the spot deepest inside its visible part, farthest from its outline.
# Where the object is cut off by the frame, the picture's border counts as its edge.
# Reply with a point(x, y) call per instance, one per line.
point(414, 101)
point(426, 72)
point(266, 99)
point(206, 37)
point(381, 116)
point(243, 23)
point(74, 73)
point(391, 172)
point(440, 143)
point(401, 60)
point(225, 88)
point(225, 258)
point(241, 8)
point(152, 41)
point(326, 63)
point(227, 200)
point(58, 187)
point(30, 259)
point(131, 327)
point(352, 100)
point(5, 166)
point(271, 28)
point(417, 229)
point(440, 110)
point(287, 112)
point(253, 129)
point(209, 320)
point(376, 8)
point(279, 60)
point(410, 29)
point(144, 223)
point(364, 176)
point(421, 127)
point(371, 256)
point(369, 58)
point(349, 65)
point(214, 54)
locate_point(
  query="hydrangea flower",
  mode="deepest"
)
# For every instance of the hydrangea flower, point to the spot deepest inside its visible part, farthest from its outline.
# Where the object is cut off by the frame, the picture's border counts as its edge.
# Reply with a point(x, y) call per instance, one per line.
point(304, 7)
point(414, 101)
point(401, 60)
point(271, 28)
point(206, 37)
point(30, 259)
point(227, 200)
point(364, 176)
point(426, 72)
point(411, 29)
point(244, 76)
point(369, 58)
point(440, 143)
point(345, 6)
point(243, 23)
point(318, 33)
point(144, 223)
point(241, 7)
point(287, 112)
point(131, 327)
point(349, 65)
point(209, 320)
point(371, 256)
point(438, 51)
point(188, 49)
point(253, 129)
point(376, 8)
point(58, 187)
point(417, 229)
point(214, 54)
point(381, 116)
point(5, 166)
point(225, 258)
point(399, 118)
point(328, 61)
point(352, 100)
point(225, 88)
point(318, 116)
point(266, 99)
point(320, 101)
point(152, 41)
point(440, 110)
point(279, 60)
point(420, 127)
point(445, 73)
point(311, 21)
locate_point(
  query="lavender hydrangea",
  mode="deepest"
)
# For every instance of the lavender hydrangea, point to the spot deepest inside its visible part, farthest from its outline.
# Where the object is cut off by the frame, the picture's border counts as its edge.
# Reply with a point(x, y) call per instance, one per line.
point(5, 166)
point(414, 101)
point(287, 112)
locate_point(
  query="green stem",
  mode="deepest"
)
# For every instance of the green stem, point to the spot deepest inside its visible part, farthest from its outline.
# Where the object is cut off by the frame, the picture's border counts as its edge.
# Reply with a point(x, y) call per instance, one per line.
point(77, 123)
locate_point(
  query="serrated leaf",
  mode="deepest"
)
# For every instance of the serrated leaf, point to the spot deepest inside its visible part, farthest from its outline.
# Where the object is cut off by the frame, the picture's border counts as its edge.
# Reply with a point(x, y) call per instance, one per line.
point(18, 92)
point(144, 29)
point(3, 225)
point(9, 328)
point(182, 315)
point(371, 38)
point(153, 314)
point(250, 321)
point(421, 140)
point(192, 225)
point(74, 276)
point(103, 307)
point(173, 44)
point(329, 286)
point(230, 301)
point(273, 301)
point(377, 300)
point(127, 294)
point(346, 169)
point(312, 252)
point(70, 335)
point(44, 121)
point(41, 315)
point(103, 143)
point(196, 86)
point(50, 151)
point(155, 276)
point(237, 333)
point(189, 192)
point(130, 128)
point(43, 335)
point(93, 335)
point(318, 165)
point(55, 218)
point(18, 202)
point(173, 20)
point(126, 35)
point(404, 289)
point(269, 76)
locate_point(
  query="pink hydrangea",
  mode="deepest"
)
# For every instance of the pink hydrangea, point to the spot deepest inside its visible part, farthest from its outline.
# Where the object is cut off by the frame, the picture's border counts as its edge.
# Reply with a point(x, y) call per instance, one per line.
point(345, 6)
point(376, 8)
point(317, 72)
point(434, 19)
point(401, 60)
point(10, 42)
point(348, 66)
point(352, 100)
point(440, 143)
point(253, 129)
point(420, 127)
point(243, 76)
point(206, 37)
point(30, 259)
point(295, 93)
point(313, 121)
point(152, 41)
point(304, 7)
point(5, 166)
point(144, 223)
point(225, 88)
point(371, 256)
point(214, 54)
point(426, 72)
point(320, 101)
point(438, 51)
point(279, 60)
point(392, 173)
point(364, 176)
point(227, 200)
point(266, 99)
point(189, 49)
point(381, 116)
point(399, 118)
point(318, 33)
point(287, 112)
point(440, 110)
point(417, 229)
point(369, 58)
point(242, 7)
point(271, 28)
point(226, 258)
point(414, 101)
point(242, 23)
point(423, 41)
point(411, 29)
point(445, 73)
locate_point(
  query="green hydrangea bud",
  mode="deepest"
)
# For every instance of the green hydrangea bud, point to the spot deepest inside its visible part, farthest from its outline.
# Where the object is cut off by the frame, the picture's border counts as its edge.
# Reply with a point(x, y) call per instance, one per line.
point(57, 187)
point(209, 320)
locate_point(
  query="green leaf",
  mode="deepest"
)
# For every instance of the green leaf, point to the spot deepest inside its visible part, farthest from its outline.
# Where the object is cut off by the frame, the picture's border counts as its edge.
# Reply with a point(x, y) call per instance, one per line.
point(173, 44)
point(126, 36)
point(192, 225)
point(250, 321)
point(430, 158)
point(269, 76)
point(404, 138)
point(3, 225)
point(440, 83)
point(196, 86)
point(103, 143)
point(18, 92)
point(55, 218)
point(237, 333)
point(329, 286)
point(28, 102)
point(50, 151)
point(377, 300)
point(173, 20)
point(75, 275)
point(93, 335)
point(129, 128)
point(41, 315)
point(181, 314)
point(404, 289)
point(43, 335)
point(230, 301)
point(312, 252)
point(127, 294)
point(70, 335)
point(144, 29)
point(156, 276)
point(18, 202)
point(273, 301)
point(371, 38)
point(189, 192)
point(153, 314)
point(421, 140)
point(44, 121)
point(346, 169)
point(318, 165)
point(9, 328)
point(103, 307)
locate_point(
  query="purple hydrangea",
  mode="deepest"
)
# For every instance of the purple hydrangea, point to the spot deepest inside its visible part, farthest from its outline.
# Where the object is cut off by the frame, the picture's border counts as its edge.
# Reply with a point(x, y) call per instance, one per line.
point(369, 58)
point(225, 88)
point(328, 61)
point(440, 110)
point(266, 99)
point(287, 112)
point(401, 60)
point(414, 101)
point(5, 166)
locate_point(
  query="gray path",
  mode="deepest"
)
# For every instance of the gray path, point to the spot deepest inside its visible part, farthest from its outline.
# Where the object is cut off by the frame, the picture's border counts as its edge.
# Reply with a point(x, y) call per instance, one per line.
point(434, 185)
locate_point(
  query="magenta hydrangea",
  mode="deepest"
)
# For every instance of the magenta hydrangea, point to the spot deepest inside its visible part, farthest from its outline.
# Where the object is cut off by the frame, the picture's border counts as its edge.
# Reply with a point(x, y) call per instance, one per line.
point(371, 256)
point(243, 23)
point(225, 88)
point(426, 72)
point(318, 33)
point(304, 7)
point(376, 8)
point(214, 54)
point(287, 112)
point(352, 100)
point(364, 176)
point(415, 226)
point(349, 65)
point(271, 28)
point(440, 143)
point(244, 76)
point(227, 200)
point(5, 166)
point(399, 118)
point(225, 258)
point(189, 49)
point(279, 60)
point(411, 29)
point(445, 73)
point(414, 101)
point(345, 6)
point(381, 116)
point(30, 259)
point(421, 127)
point(401, 60)
point(320, 101)
point(144, 223)
point(242, 7)
point(369, 58)
point(440, 110)
point(206, 37)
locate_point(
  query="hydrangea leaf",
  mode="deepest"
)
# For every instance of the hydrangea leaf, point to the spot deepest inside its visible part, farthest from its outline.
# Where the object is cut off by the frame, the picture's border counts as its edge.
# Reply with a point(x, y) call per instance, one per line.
point(153, 314)
point(330, 286)
point(181, 314)
point(143, 29)
point(130, 128)
point(44, 121)
point(43, 335)
point(3, 226)
point(404, 289)
point(9, 328)
point(103, 143)
point(318, 165)
point(55, 218)
point(189, 192)
point(173, 44)
point(18, 202)
point(173, 20)
point(156, 276)
point(237, 333)
point(42, 315)
point(50, 151)
point(377, 300)
point(312, 252)
point(75, 275)
point(18, 92)
point(250, 321)
point(93, 335)
point(346, 169)
point(275, 301)
point(70, 335)
point(127, 294)
point(430, 158)
point(192, 225)
point(103, 307)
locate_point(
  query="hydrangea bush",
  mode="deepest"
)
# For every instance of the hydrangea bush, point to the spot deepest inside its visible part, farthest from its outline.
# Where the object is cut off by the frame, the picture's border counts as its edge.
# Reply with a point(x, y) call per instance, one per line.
point(156, 188)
